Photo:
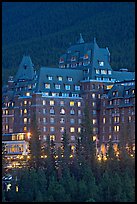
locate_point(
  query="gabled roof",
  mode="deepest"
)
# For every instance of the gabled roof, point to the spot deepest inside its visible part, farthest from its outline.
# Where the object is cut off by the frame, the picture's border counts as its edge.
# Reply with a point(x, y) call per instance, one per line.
point(26, 69)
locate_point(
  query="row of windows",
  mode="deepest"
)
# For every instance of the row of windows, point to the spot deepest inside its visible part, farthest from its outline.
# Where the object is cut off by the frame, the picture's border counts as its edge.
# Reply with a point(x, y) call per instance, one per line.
point(61, 94)
point(62, 111)
point(103, 71)
point(52, 137)
point(116, 119)
point(62, 129)
point(62, 120)
point(58, 86)
point(62, 103)
point(60, 78)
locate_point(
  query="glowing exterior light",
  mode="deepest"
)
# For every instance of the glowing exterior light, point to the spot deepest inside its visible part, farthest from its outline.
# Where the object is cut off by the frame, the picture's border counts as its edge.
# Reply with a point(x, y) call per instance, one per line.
point(17, 188)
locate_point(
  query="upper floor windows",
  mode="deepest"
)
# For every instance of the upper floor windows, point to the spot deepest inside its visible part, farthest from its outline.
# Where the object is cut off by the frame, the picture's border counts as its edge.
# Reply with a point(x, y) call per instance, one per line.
point(71, 103)
point(47, 86)
point(101, 63)
point(52, 103)
point(67, 87)
point(85, 56)
point(79, 104)
point(57, 86)
point(103, 71)
point(62, 103)
point(61, 60)
point(109, 72)
point(127, 100)
point(70, 79)
point(44, 102)
point(60, 78)
point(97, 71)
point(62, 111)
point(77, 88)
point(50, 78)
point(73, 58)
point(52, 111)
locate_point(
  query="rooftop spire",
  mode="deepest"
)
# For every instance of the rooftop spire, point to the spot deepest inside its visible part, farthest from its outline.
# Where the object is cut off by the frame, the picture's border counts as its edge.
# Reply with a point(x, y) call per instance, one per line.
point(80, 39)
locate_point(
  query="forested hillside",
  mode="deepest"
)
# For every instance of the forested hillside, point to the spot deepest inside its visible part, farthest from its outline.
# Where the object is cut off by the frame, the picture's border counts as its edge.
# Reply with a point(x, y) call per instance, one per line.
point(44, 30)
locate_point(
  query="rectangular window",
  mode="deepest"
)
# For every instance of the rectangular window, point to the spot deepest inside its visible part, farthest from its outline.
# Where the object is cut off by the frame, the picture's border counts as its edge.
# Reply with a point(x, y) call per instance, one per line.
point(47, 86)
point(71, 103)
point(52, 120)
point(50, 78)
point(70, 79)
point(109, 72)
point(60, 78)
point(129, 118)
point(25, 102)
point(79, 129)
point(52, 129)
point(72, 137)
point(101, 63)
point(94, 112)
point(104, 120)
point(77, 88)
point(62, 103)
point(28, 94)
point(72, 129)
point(25, 120)
point(93, 95)
point(52, 111)
point(57, 86)
point(44, 120)
point(93, 104)
point(97, 71)
point(79, 112)
point(67, 87)
point(52, 137)
point(44, 102)
point(103, 71)
point(44, 111)
point(79, 121)
point(62, 129)
point(44, 129)
point(72, 112)
point(79, 104)
point(72, 121)
point(51, 103)
point(94, 121)
point(62, 120)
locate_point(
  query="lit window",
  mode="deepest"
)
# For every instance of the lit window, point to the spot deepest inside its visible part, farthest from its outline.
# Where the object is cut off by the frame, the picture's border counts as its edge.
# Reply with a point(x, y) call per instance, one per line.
point(97, 71)
point(62, 129)
point(93, 104)
point(25, 128)
point(103, 71)
point(77, 88)
point(79, 129)
point(126, 100)
point(51, 103)
point(25, 120)
point(25, 111)
point(109, 137)
point(126, 92)
point(52, 129)
point(44, 137)
point(62, 103)
point(62, 120)
point(20, 112)
point(129, 118)
point(47, 86)
point(67, 87)
point(44, 128)
point(57, 86)
point(116, 128)
point(70, 79)
point(72, 121)
point(72, 129)
point(25, 102)
point(101, 63)
point(86, 56)
point(94, 121)
point(104, 120)
point(7, 127)
point(133, 91)
point(50, 78)
point(52, 120)
point(79, 112)
point(71, 103)
point(94, 112)
point(52, 137)
point(62, 111)
point(79, 121)
point(79, 104)
point(28, 94)
point(109, 72)
point(52, 111)
point(94, 138)
point(93, 95)
point(44, 102)
point(72, 112)
point(44, 120)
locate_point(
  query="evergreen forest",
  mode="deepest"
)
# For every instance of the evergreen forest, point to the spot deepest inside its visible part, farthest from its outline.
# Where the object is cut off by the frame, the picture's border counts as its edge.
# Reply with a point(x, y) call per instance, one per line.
point(44, 30)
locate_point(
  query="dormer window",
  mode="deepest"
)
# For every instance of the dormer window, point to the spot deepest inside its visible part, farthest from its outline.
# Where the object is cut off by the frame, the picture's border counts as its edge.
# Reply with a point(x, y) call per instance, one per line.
point(67, 87)
point(109, 72)
point(50, 78)
point(61, 60)
point(69, 78)
point(77, 88)
point(103, 71)
point(73, 58)
point(101, 63)
point(60, 78)
point(47, 86)
point(97, 71)
point(85, 56)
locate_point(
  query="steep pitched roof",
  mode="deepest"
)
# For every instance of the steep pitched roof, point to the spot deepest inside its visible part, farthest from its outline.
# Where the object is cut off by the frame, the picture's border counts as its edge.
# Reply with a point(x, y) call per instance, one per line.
point(26, 69)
